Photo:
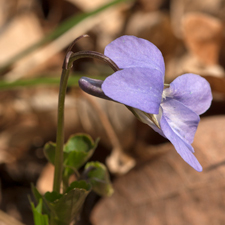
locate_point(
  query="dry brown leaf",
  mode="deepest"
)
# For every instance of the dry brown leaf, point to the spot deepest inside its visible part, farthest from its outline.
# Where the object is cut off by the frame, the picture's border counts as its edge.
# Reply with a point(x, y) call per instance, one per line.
point(121, 119)
point(203, 35)
point(155, 27)
point(167, 190)
point(217, 83)
point(108, 20)
point(31, 114)
point(18, 139)
point(178, 8)
point(9, 9)
point(87, 5)
point(151, 5)
point(111, 25)
point(21, 32)
point(187, 63)
point(6, 219)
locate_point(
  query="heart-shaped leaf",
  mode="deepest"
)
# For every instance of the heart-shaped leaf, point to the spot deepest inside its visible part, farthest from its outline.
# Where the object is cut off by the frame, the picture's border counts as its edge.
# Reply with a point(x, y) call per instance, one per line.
point(98, 176)
point(52, 196)
point(78, 149)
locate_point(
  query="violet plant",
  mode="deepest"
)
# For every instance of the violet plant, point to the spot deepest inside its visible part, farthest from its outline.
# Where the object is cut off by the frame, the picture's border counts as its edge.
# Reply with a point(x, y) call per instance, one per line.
point(171, 110)
point(63, 205)
point(138, 83)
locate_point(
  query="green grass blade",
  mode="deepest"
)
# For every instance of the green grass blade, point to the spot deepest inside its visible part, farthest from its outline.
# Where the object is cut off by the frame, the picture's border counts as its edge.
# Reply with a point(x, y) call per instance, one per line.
point(65, 26)
point(50, 81)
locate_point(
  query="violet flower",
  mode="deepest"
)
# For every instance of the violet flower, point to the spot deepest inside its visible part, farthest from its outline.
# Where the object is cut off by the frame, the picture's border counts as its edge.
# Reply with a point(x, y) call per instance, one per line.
point(174, 111)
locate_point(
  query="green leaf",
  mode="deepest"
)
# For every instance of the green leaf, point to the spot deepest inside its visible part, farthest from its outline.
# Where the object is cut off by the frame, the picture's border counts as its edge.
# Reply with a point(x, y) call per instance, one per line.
point(67, 172)
point(79, 184)
point(49, 151)
point(44, 80)
point(36, 193)
point(39, 219)
point(68, 206)
point(39, 197)
point(78, 149)
point(52, 196)
point(98, 176)
point(79, 142)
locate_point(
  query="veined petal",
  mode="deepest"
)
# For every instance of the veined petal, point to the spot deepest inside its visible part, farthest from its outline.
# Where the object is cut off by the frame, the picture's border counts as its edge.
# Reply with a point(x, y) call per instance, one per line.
point(140, 88)
point(180, 118)
point(192, 90)
point(183, 148)
point(130, 51)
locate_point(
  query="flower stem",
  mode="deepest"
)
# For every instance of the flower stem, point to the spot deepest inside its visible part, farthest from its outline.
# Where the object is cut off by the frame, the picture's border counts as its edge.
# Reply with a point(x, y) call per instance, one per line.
point(68, 62)
point(60, 131)
point(67, 65)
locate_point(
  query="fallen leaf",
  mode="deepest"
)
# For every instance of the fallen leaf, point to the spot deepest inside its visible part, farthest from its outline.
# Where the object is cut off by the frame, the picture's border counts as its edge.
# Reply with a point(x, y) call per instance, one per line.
point(155, 27)
point(165, 190)
point(178, 8)
point(203, 36)
point(21, 32)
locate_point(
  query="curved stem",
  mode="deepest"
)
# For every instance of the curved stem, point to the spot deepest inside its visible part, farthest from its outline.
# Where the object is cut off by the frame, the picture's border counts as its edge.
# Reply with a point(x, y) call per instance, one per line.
point(96, 55)
point(60, 131)
point(68, 62)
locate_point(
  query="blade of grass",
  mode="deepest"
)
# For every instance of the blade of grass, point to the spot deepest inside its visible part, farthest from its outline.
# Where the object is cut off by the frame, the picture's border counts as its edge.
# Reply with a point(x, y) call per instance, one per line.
point(73, 81)
point(65, 26)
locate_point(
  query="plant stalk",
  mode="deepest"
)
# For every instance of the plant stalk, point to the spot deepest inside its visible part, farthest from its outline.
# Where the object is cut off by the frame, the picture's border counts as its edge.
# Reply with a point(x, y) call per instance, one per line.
point(60, 131)
point(68, 62)
point(67, 65)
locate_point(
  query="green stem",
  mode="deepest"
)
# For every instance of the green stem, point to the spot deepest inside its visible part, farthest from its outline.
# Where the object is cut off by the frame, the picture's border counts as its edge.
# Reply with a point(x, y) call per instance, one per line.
point(60, 131)
point(68, 62)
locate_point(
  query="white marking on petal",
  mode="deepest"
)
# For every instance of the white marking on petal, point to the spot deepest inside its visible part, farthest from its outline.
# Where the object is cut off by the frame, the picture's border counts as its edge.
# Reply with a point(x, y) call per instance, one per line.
point(167, 93)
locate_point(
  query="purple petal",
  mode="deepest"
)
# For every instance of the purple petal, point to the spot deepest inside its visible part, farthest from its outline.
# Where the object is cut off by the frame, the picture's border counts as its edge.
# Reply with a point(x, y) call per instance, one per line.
point(192, 90)
point(130, 51)
point(181, 119)
point(183, 149)
point(140, 88)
